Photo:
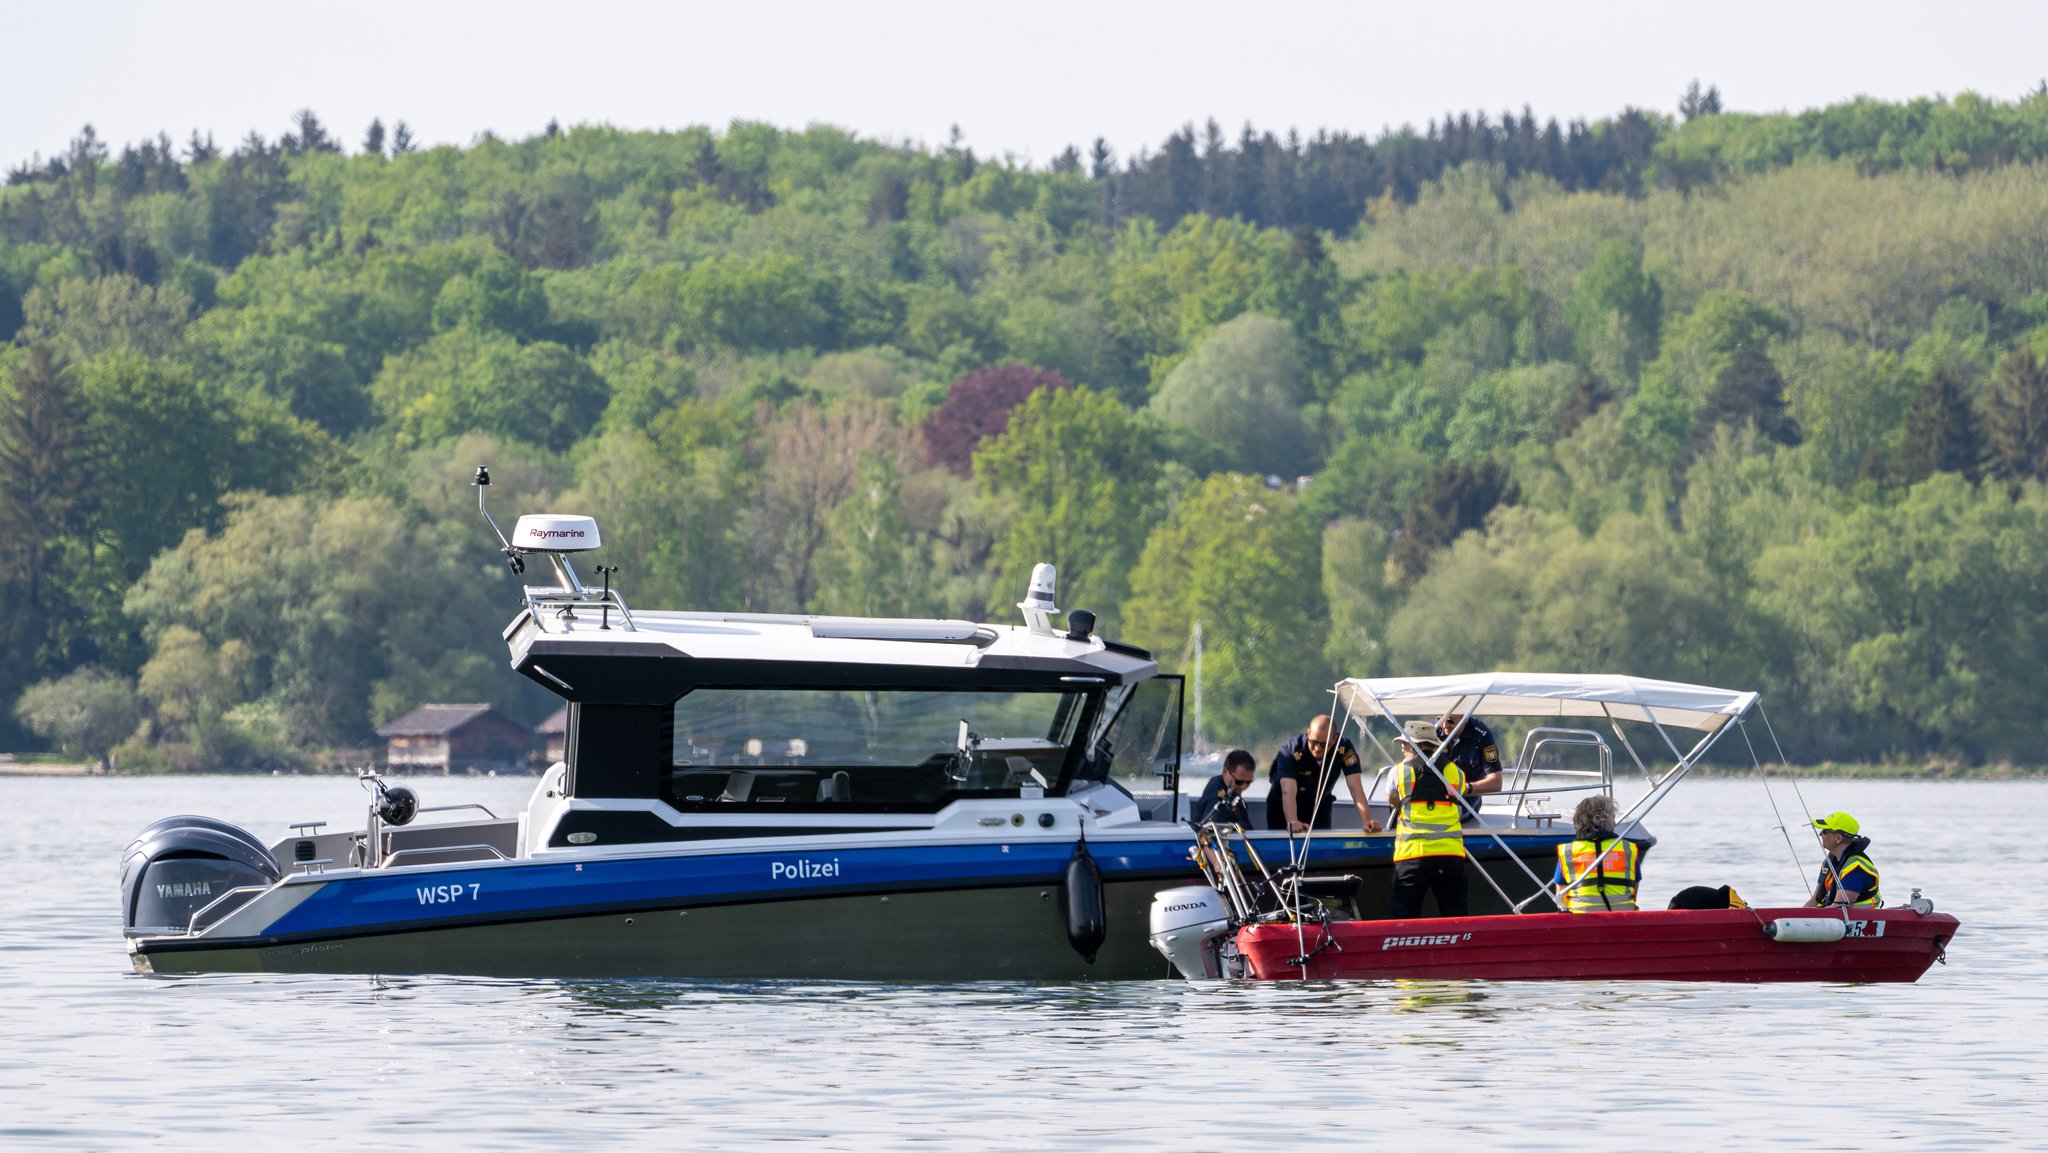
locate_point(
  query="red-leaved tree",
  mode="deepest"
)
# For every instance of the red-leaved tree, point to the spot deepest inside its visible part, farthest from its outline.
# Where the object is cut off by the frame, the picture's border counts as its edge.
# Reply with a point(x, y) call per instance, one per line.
point(977, 406)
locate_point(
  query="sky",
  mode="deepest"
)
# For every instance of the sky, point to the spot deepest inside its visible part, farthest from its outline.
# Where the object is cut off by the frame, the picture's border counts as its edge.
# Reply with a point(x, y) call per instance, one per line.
point(1019, 79)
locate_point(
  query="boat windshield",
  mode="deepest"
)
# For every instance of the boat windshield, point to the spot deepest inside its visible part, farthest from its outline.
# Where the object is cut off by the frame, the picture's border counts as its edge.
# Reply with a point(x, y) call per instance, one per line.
point(891, 748)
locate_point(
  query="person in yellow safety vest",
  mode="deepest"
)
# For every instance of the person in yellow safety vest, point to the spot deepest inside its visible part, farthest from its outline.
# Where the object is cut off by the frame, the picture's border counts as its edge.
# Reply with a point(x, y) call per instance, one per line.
point(1429, 845)
point(1611, 866)
point(1847, 877)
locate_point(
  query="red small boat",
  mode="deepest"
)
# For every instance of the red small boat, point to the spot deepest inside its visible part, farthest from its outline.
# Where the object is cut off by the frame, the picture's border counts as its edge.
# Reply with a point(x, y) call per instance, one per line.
point(1281, 924)
point(1743, 945)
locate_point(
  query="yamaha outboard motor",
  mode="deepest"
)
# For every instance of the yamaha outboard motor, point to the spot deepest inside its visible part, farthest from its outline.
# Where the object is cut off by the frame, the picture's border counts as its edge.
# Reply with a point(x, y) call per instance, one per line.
point(180, 865)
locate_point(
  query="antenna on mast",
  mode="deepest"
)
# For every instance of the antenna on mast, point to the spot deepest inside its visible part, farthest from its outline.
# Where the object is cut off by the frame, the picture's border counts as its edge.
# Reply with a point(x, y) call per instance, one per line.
point(482, 481)
point(556, 536)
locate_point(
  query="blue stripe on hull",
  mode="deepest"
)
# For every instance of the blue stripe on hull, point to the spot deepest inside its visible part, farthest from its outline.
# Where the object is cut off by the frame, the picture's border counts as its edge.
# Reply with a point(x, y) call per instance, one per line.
point(382, 901)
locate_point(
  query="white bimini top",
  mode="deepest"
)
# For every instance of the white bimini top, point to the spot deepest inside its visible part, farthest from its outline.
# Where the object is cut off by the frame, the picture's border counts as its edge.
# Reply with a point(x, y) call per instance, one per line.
point(1509, 694)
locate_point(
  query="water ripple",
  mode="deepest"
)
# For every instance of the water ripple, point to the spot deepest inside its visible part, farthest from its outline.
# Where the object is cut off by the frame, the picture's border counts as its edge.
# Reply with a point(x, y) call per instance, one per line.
point(101, 1058)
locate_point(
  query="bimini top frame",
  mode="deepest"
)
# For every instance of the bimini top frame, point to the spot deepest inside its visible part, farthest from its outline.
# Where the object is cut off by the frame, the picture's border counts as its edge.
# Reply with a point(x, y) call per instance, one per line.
point(1613, 698)
point(1663, 705)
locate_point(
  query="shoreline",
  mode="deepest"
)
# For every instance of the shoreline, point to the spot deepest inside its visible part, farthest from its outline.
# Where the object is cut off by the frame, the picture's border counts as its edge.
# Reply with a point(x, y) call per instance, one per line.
point(1832, 771)
point(9, 767)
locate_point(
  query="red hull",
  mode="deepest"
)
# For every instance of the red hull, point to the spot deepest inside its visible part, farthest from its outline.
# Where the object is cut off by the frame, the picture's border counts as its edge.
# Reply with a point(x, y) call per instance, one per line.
point(1651, 945)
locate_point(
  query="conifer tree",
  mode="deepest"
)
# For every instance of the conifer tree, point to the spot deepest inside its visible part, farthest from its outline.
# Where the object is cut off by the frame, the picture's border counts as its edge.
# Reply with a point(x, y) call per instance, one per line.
point(42, 479)
point(1458, 500)
point(1942, 433)
point(2016, 420)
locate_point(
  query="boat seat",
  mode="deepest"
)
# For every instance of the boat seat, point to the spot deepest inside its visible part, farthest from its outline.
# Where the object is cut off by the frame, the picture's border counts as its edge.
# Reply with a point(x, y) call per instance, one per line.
point(1338, 891)
point(836, 789)
point(739, 786)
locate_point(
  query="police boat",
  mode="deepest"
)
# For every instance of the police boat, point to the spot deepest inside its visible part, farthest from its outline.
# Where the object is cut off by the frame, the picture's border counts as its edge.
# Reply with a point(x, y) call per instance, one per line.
point(1257, 917)
point(748, 795)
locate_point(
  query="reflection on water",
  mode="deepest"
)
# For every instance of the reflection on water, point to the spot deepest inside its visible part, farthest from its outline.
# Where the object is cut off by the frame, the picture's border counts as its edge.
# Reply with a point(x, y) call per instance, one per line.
point(98, 1057)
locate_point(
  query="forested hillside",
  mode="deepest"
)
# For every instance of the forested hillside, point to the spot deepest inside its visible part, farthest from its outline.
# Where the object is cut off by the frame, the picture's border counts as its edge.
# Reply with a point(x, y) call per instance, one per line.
point(1751, 400)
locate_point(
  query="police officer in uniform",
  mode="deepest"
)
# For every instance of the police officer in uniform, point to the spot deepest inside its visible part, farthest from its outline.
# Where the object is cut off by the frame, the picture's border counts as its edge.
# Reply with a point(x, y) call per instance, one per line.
point(1476, 751)
point(1612, 868)
point(1222, 799)
point(1297, 769)
point(1429, 844)
point(1847, 877)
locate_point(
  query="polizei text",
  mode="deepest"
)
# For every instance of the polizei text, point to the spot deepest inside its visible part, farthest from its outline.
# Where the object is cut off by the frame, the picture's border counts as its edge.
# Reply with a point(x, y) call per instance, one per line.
point(802, 869)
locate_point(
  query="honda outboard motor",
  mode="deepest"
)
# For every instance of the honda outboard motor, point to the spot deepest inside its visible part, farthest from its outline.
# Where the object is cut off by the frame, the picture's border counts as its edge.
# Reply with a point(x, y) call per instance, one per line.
point(1192, 927)
point(180, 865)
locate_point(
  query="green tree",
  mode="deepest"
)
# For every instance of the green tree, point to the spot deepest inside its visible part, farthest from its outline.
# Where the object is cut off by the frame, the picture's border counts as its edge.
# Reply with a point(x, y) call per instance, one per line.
point(159, 449)
point(464, 380)
point(42, 482)
point(1919, 624)
point(1233, 555)
point(83, 318)
point(1714, 370)
point(1166, 291)
point(1942, 433)
point(1467, 611)
point(165, 445)
point(874, 563)
point(772, 303)
point(672, 497)
point(272, 349)
point(1393, 319)
point(1077, 474)
point(643, 383)
point(1528, 404)
point(1241, 390)
point(1633, 598)
point(498, 296)
point(1354, 585)
point(810, 463)
point(2016, 418)
point(85, 712)
point(1456, 501)
point(316, 611)
point(1615, 313)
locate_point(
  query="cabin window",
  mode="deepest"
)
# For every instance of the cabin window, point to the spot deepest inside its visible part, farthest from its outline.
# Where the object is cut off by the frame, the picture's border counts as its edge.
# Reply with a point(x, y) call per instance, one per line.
point(889, 748)
point(1145, 740)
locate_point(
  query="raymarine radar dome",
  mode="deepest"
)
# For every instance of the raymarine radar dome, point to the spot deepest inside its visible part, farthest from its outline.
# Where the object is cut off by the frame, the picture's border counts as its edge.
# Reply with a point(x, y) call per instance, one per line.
point(555, 532)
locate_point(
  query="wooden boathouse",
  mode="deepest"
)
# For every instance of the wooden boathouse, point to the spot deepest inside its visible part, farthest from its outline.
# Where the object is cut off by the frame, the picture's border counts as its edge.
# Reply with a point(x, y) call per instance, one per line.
point(456, 738)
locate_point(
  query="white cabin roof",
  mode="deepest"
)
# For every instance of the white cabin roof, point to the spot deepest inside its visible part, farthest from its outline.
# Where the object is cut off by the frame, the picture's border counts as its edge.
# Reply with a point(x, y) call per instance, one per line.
point(714, 636)
point(1512, 694)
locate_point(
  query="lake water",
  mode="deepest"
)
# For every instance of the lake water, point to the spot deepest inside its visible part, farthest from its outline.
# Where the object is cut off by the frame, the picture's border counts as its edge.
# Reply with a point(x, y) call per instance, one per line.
point(97, 1057)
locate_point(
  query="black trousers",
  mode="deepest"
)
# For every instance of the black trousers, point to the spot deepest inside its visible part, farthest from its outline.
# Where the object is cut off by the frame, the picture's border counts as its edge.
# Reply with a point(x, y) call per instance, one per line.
point(1444, 876)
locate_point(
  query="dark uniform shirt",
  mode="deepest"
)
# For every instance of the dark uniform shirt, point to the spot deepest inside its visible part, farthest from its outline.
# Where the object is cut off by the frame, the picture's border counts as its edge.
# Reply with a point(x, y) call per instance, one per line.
point(1294, 762)
point(1477, 752)
point(1220, 802)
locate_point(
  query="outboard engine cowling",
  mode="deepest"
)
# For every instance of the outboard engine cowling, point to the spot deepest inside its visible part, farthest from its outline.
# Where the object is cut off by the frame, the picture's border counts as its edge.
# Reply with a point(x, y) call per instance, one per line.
point(180, 865)
point(1191, 925)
